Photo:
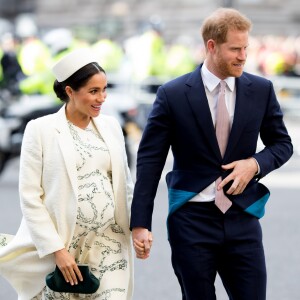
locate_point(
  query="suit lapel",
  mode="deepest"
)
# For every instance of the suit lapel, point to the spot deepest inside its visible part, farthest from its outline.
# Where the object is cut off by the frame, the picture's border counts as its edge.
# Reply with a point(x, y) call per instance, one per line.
point(243, 104)
point(198, 101)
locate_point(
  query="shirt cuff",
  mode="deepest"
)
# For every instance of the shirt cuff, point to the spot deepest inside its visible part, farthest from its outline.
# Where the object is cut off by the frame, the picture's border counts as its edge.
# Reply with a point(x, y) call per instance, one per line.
point(258, 167)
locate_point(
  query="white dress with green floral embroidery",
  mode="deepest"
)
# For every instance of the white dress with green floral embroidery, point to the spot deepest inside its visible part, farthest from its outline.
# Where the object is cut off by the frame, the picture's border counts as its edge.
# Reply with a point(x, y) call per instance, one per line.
point(97, 239)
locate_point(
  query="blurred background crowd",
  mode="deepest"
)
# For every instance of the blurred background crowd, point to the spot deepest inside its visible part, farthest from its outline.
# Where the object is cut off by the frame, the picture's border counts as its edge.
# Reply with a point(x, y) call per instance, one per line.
point(140, 44)
point(28, 50)
point(137, 39)
point(154, 39)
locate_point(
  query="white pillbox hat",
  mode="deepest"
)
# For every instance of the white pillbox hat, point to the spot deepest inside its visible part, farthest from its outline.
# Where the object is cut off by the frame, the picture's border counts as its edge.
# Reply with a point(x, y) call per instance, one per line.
point(72, 62)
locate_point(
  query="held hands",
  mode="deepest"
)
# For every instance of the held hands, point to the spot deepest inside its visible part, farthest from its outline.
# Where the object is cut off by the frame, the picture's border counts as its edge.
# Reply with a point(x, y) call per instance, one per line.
point(142, 242)
point(243, 171)
point(67, 265)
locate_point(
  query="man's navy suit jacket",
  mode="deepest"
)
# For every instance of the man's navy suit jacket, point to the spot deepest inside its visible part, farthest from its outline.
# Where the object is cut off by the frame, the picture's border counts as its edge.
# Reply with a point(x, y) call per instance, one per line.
point(181, 119)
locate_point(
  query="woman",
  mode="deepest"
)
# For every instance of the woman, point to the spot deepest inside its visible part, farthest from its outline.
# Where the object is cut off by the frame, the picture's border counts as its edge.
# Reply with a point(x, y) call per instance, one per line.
point(75, 190)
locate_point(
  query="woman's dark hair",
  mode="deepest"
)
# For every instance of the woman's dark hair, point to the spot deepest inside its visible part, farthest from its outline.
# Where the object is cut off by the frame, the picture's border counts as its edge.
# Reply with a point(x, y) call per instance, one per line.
point(76, 80)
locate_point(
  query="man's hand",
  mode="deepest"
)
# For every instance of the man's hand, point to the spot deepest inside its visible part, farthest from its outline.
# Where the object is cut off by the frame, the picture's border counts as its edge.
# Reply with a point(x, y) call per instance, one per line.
point(142, 242)
point(243, 171)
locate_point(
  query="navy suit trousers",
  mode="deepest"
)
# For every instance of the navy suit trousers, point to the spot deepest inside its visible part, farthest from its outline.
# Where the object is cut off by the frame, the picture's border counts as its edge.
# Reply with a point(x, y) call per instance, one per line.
point(205, 242)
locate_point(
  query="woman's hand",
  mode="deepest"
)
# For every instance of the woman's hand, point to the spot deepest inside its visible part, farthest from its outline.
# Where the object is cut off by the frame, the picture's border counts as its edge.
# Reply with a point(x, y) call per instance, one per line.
point(142, 242)
point(68, 267)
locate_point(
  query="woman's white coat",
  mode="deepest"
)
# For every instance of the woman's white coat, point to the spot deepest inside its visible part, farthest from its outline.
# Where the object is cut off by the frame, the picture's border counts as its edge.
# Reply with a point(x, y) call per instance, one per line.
point(48, 195)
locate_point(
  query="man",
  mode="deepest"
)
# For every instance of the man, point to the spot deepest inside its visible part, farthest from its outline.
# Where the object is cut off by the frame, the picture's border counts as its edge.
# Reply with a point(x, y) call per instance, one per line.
point(206, 237)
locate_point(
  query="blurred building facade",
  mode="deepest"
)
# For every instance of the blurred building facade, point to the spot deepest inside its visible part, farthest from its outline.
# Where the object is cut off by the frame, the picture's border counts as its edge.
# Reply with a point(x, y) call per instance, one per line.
point(10, 9)
point(121, 19)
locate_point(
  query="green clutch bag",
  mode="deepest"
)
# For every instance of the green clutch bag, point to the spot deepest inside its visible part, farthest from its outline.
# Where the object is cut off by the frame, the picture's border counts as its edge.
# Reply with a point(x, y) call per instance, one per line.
point(56, 282)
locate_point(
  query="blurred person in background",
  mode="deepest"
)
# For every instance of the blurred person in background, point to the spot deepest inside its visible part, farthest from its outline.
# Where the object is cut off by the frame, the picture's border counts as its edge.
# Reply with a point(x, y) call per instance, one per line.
point(179, 59)
point(75, 192)
point(208, 236)
point(146, 52)
point(59, 42)
point(11, 70)
point(39, 80)
point(109, 53)
point(278, 56)
point(33, 55)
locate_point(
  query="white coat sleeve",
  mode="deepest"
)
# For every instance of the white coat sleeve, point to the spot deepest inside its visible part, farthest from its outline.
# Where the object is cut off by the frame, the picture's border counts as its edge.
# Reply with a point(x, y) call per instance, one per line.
point(38, 220)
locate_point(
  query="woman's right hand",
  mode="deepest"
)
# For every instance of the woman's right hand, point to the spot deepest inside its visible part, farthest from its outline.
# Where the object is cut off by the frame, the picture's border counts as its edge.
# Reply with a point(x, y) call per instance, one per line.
point(142, 242)
point(67, 265)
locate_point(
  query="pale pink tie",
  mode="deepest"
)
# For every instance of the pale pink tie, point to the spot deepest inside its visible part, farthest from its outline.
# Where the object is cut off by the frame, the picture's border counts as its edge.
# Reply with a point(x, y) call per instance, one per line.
point(222, 133)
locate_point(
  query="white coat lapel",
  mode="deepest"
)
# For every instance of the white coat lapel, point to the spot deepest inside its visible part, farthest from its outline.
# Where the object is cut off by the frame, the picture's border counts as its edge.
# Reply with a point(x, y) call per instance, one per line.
point(67, 147)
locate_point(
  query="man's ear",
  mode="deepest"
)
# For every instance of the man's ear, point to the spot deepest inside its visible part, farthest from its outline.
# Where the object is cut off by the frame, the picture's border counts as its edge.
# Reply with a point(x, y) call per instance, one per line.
point(211, 45)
